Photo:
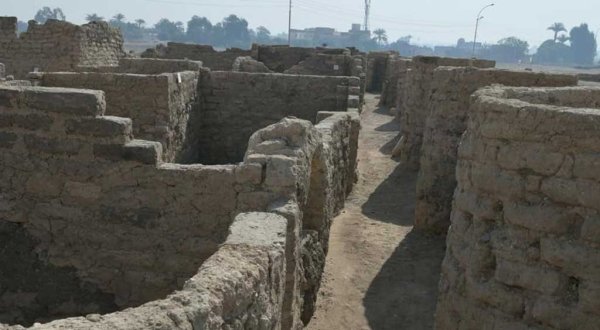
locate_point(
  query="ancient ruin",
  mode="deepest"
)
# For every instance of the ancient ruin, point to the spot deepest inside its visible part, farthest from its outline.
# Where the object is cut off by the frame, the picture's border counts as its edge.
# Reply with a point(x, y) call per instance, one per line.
point(57, 46)
point(523, 245)
point(446, 121)
point(191, 188)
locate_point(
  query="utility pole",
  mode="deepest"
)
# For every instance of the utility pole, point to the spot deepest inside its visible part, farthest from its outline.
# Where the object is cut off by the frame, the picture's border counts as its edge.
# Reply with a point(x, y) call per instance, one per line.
point(479, 18)
point(290, 26)
point(367, 13)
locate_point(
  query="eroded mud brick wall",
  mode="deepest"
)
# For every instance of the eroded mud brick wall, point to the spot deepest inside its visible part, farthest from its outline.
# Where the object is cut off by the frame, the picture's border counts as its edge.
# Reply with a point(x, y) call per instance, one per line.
point(209, 57)
point(159, 105)
point(395, 75)
point(145, 66)
point(416, 102)
point(233, 105)
point(57, 46)
point(100, 207)
point(523, 250)
point(241, 286)
point(446, 122)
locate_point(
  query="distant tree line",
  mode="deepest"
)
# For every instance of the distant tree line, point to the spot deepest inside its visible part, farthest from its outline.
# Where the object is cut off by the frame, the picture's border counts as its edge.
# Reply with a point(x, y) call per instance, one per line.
point(578, 47)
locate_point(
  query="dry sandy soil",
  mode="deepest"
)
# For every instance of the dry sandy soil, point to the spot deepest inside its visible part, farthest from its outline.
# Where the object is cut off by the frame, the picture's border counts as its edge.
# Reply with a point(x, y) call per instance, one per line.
point(379, 273)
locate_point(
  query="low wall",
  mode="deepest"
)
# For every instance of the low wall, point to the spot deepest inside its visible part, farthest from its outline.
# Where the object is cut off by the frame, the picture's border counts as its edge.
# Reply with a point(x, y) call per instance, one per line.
point(446, 122)
point(101, 221)
point(233, 105)
point(99, 206)
point(212, 59)
point(145, 66)
point(159, 105)
point(57, 46)
point(523, 250)
point(416, 102)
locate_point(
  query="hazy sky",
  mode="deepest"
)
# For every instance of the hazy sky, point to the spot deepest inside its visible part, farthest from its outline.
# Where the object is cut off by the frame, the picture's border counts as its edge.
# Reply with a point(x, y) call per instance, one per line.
point(428, 21)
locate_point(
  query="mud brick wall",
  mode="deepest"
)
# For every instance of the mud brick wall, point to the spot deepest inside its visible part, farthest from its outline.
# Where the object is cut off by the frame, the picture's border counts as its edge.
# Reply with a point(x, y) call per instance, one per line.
point(416, 102)
point(159, 105)
point(240, 287)
point(446, 122)
point(281, 58)
point(523, 249)
point(105, 223)
point(316, 168)
point(99, 205)
point(58, 46)
point(233, 105)
point(324, 65)
point(212, 59)
point(395, 74)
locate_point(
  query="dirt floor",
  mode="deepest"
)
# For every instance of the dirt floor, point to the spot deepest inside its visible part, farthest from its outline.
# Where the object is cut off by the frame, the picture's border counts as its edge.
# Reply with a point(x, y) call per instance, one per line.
point(379, 273)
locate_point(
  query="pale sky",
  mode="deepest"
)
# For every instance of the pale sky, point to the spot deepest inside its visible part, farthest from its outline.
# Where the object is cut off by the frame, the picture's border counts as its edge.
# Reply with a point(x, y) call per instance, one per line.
point(428, 21)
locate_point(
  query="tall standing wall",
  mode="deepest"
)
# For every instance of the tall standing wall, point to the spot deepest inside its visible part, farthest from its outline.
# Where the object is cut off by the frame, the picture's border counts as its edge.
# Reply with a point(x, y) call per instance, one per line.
point(396, 71)
point(416, 102)
point(523, 251)
point(446, 122)
point(57, 46)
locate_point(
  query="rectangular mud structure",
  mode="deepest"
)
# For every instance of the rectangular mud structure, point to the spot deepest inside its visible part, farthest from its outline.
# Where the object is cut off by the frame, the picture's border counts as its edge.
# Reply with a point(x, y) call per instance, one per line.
point(523, 249)
point(172, 189)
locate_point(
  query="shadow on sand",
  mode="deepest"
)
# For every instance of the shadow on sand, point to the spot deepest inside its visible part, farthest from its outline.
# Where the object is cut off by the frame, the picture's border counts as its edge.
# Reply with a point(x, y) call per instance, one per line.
point(403, 294)
point(394, 200)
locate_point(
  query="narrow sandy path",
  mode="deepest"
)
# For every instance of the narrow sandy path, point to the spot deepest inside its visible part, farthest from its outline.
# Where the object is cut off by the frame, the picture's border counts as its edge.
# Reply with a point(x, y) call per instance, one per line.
point(379, 274)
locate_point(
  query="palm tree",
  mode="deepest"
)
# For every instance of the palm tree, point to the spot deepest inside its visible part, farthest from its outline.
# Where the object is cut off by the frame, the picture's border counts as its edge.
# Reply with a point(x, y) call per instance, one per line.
point(380, 36)
point(557, 28)
point(119, 17)
point(140, 22)
point(563, 38)
point(94, 18)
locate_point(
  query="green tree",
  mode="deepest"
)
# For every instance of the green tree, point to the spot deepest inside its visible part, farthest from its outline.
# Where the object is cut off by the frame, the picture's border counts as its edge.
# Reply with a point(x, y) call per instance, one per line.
point(235, 32)
point(563, 38)
point(380, 36)
point(169, 31)
point(583, 45)
point(120, 18)
point(47, 13)
point(94, 18)
point(557, 28)
point(551, 52)
point(140, 22)
point(199, 30)
point(263, 35)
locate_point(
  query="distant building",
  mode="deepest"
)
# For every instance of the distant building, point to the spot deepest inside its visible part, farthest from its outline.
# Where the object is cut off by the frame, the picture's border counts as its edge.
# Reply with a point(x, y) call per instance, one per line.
point(319, 36)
